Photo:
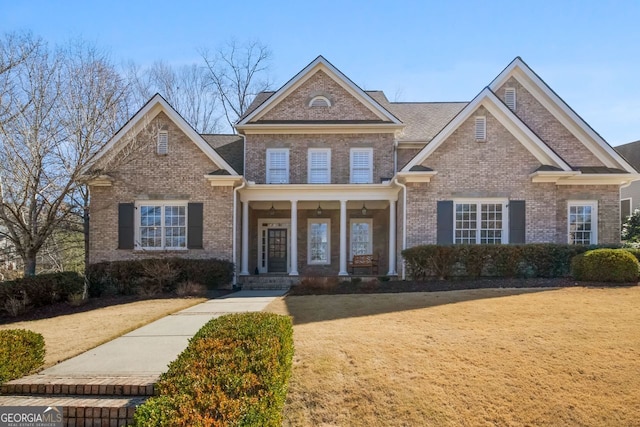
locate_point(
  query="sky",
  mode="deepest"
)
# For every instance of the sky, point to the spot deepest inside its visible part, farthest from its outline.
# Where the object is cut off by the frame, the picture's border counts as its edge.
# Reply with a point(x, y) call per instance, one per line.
point(587, 51)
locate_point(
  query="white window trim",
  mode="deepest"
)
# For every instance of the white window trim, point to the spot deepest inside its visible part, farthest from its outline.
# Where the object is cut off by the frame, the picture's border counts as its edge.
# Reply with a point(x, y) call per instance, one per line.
point(480, 129)
point(515, 100)
point(319, 221)
point(484, 201)
point(326, 100)
point(358, 220)
point(369, 151)
point(268, 164)
point(594, 218)
point(163, 203)
point(319, 150)
point(163, 149)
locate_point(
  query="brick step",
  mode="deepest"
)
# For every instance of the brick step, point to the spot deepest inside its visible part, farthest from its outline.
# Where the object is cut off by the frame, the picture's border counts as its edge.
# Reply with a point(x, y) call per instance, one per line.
point(84, 410)
point(78, 386)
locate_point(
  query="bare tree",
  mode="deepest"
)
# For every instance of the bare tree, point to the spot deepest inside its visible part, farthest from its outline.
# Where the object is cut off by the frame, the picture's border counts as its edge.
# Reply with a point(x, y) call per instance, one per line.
point(186, 88)
point(66, 104)
point(238, 73)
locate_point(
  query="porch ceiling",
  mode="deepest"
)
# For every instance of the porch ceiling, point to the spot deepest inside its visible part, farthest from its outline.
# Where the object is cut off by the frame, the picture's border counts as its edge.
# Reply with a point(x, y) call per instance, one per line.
point(319, 193)
point(313, 205)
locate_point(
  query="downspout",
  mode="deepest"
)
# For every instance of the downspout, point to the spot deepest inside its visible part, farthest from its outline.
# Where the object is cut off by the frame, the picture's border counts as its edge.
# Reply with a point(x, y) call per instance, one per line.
point(235, 222)
point(235, 208)
point(404, 223)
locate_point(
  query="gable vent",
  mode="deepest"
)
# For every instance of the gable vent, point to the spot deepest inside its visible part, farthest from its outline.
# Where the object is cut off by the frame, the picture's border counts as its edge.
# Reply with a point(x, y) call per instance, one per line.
point(163, 142)
point(320, 101)
point(481, 129)
point(510, 98)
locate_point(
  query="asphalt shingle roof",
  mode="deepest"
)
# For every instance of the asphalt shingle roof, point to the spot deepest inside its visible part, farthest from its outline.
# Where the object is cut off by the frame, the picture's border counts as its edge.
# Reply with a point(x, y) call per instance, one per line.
point(631, 153)
point(230, 148)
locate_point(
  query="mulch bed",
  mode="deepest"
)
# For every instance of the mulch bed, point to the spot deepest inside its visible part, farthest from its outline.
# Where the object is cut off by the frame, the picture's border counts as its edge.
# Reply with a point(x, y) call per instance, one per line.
point(376, 286)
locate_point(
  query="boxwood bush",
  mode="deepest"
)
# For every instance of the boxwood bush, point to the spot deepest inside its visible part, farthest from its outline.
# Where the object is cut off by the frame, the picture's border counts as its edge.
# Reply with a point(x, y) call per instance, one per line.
point(606, 265)
point(155, 275)
point(21, 353)
point(235, 371)
point(545, 260)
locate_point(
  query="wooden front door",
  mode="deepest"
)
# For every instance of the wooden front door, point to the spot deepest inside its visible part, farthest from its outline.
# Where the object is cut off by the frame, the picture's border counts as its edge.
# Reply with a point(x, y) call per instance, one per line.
point(277, 250)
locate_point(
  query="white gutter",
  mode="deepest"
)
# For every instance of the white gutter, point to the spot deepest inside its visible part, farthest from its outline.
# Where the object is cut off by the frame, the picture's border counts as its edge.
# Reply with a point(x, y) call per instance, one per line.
point(404, 223)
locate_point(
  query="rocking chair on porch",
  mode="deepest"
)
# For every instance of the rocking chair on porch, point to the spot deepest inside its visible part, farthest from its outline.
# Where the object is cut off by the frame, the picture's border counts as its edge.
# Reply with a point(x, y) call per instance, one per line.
point(369, 261)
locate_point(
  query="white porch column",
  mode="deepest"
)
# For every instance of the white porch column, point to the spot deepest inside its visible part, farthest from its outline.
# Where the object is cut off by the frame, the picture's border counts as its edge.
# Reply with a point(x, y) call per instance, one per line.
point(293, 270)
point(244, 271)
point(343, 238)
point(392, 238)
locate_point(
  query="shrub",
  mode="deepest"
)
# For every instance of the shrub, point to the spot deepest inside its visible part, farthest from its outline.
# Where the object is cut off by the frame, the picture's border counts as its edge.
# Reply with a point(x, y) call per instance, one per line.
point(190, 289)
point(430, 260)
point(21, 353)
point(311, 285)
point(41, 290)
point(606, 265)
point(155, 275)
point(235, 371)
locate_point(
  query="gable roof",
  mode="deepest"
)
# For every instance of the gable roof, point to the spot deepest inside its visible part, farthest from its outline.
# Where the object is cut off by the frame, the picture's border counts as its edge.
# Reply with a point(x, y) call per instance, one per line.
point(539, 89)
point(230, 147)
point(320, 63)
point(150, 110)
point(507, 118)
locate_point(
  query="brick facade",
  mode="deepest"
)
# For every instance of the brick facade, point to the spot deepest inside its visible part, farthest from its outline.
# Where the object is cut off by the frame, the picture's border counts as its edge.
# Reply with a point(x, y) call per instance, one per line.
point(548, 128)
point(500, 167)
point(343, 105)
point(340, 145)
point(179, 175)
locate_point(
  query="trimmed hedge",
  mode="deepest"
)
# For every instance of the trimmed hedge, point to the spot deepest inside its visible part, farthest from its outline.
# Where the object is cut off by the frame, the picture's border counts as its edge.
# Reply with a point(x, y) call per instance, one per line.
point(155, 275)
point(235, 371)
point(40, 290)
point(21, 353)
point(606, 265)
point(545, 260)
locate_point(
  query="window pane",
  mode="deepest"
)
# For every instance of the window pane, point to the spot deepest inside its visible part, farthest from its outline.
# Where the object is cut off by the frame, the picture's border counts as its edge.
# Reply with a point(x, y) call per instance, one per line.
point(491, 223)
point(151, 226)
point(277, 167)
point(360, 238)
point(580, 230)
point(319, 242)
point(361, 166)
point(466, 223)
point(319, 167)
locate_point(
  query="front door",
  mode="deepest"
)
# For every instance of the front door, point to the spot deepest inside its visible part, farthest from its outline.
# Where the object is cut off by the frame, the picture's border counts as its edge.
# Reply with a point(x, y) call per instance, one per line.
point(277, 250)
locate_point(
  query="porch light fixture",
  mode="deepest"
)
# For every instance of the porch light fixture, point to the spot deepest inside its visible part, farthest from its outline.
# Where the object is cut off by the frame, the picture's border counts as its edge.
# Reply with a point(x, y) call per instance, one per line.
point(319, 210)
point(364, 209)
point(272, 211)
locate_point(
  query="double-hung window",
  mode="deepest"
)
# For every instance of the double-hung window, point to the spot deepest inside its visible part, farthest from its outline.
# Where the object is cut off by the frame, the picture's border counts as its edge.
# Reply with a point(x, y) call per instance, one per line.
point(277, 166)
point(318, 242)
point(161, 225)
point(583, 222)
point(361, 165)
point(319, 166)
point(480, 222)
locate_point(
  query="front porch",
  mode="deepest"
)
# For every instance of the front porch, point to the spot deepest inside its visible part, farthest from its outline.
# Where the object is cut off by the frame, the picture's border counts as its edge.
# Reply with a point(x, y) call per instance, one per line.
point(315, 231)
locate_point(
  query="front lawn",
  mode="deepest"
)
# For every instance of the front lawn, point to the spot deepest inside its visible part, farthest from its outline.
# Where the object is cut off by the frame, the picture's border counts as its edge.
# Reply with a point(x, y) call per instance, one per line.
point(479, 357)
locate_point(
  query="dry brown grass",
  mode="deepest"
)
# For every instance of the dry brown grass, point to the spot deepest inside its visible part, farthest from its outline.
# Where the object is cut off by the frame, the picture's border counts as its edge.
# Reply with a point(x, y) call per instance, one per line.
point(566, 357)
point(69, 335)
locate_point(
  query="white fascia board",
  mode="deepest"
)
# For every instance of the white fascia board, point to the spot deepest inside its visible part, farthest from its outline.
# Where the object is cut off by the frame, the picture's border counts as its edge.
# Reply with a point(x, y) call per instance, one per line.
point(146, 114)
point(506, 117)
point(416, 176)
point(319, 192)
point(223, 180)
point(578, 178)
point(320, 63)
point(562, 112)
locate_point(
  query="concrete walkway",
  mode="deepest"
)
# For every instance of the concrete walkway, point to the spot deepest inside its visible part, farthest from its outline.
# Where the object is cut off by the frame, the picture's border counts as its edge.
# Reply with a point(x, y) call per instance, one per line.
point(147, 351)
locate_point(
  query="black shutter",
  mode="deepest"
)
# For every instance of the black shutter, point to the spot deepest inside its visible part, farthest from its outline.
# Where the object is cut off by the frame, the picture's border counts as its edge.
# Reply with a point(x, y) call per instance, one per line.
point(125, 225)
point(445, 222)
point(517, 221)
point(194, 219)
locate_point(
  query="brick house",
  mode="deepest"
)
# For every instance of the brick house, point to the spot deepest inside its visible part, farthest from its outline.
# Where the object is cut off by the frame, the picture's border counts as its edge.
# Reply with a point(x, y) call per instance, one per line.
point(321, 170)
